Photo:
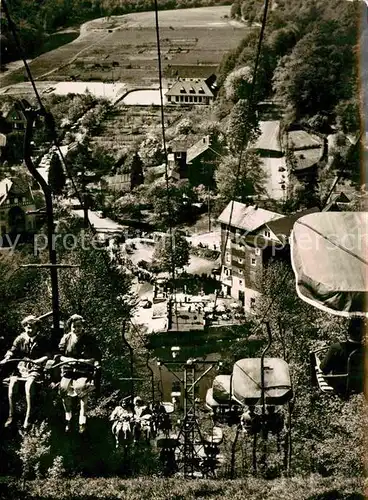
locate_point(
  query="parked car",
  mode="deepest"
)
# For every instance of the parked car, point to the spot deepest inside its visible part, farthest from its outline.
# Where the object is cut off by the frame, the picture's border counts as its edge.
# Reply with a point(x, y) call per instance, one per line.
point(145, 303)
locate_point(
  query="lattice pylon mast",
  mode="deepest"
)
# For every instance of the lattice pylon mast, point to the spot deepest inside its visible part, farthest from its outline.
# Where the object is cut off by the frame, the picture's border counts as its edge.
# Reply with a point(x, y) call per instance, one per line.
point(190, 429)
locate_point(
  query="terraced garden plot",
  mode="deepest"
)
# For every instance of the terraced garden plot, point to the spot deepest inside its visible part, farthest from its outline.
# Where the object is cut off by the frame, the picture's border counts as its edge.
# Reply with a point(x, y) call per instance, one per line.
point(129, 125)
point(123, 48)
point(130, 55)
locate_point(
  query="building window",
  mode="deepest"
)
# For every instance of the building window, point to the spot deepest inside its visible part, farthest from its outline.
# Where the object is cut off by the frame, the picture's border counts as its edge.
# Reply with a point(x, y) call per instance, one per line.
point(253, 261)
point(179, 155)
point(181, 98)
point(186, 98)
point(240, 260)
point(252, 302)
point(15, 200)
point(177, 98)
point(228, 258)
point(267, 233)
point(199, 98)
point(258, 251)
point(241, 271)
point(240, 282)
point(190, 98)
point(195, 98)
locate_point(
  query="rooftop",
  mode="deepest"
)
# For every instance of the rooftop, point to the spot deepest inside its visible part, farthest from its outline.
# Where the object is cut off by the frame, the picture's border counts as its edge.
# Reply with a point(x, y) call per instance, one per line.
point(307, 158)
point(183, 142)
point(301, 139)
point(182, 87)
point(283, 226)
point(198, 148)
point(183, 71)
point(246, 217)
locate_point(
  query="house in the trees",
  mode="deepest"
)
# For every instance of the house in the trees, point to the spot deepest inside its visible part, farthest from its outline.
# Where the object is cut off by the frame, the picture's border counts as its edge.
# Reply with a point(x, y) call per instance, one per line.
point(201, 161)
point(177, 152)
point(16, 201)
point(13, 118)
point(193, 158)
point(191, 92)
point(254, 237)
point(307, 150)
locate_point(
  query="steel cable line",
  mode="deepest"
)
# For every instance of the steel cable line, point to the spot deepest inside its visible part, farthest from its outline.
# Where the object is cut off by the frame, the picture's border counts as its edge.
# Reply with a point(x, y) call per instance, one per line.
point(14, 32)
point(244, 145)
point(168, 197)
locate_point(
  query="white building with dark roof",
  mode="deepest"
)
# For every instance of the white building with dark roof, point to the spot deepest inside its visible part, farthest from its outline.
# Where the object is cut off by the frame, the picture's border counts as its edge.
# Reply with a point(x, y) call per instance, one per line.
point(190, 92)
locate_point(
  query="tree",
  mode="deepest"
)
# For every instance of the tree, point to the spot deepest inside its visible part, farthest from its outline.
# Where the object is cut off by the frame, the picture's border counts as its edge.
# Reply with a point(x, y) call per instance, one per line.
point(238, 83)
point(305, 83)
point(127, 205)
point(134, 166)
point(242, 127)
point(150, 150)
point(56, 175)
point(240, 184)
point(172, 252)
point(172, 204)
point(348, 116)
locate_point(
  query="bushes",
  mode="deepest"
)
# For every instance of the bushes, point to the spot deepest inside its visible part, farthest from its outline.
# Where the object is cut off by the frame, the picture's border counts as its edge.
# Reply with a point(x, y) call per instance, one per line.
point(205, 253)
point(312, 488)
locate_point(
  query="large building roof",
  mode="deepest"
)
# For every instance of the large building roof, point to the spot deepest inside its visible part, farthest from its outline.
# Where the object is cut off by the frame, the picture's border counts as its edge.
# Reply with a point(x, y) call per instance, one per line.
point(185, 71)
point(246, 217)
point(182, 87)
point(283, 226)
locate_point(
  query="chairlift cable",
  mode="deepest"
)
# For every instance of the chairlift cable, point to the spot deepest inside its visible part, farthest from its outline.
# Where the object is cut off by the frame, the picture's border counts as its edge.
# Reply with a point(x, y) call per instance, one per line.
point(13, 30)
point(168, 198)
point(246, 140)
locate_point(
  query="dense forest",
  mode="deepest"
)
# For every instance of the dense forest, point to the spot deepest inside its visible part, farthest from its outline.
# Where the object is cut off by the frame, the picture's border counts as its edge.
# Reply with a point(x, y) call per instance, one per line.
point(36, 19)
point(300, 37)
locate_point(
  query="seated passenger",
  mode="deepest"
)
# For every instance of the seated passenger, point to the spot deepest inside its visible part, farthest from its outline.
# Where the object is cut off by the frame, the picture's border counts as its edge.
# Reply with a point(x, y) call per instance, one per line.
point(336, 360)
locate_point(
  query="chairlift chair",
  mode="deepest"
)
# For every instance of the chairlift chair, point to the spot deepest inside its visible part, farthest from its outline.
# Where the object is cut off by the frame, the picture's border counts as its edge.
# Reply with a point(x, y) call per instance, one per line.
point(342, 384)
point(333, 278)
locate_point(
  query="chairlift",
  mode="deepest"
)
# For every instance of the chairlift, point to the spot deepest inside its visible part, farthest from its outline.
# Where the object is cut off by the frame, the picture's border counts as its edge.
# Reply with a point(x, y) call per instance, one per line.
point(331, 274)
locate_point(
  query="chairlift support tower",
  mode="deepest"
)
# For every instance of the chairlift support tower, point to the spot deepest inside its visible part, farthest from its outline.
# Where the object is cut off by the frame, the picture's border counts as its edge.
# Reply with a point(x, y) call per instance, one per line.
point(189, 429)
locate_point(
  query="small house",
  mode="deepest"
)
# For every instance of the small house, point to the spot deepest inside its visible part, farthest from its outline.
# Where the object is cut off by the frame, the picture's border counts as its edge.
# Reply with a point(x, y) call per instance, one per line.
point(16, 201)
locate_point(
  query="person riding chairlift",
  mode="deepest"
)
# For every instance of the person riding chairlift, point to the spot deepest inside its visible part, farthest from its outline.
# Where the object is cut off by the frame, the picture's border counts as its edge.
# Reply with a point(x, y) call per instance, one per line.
point(76, 345)
point(336, 360)
point(26, 345)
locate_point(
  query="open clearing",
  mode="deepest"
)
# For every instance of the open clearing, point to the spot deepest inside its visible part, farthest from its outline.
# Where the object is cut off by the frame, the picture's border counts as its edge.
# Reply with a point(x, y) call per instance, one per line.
point(123, 48)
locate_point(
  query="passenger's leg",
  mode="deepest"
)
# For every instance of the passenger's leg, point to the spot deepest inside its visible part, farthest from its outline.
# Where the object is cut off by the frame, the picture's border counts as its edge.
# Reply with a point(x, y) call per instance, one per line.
point(11, 389)
point(28, 390)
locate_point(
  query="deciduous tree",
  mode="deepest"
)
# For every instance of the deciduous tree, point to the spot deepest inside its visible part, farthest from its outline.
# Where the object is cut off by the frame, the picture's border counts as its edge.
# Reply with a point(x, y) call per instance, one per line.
point(172, 252)
point(56, 175)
